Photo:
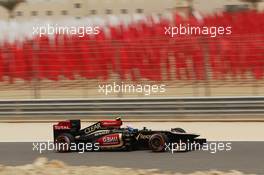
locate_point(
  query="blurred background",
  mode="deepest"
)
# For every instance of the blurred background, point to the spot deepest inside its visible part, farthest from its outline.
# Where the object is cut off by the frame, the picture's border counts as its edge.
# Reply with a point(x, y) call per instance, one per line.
point(131, 48)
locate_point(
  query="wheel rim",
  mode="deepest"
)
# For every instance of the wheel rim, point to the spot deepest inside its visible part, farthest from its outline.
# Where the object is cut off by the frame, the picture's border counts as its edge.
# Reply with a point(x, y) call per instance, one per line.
point(156, 142)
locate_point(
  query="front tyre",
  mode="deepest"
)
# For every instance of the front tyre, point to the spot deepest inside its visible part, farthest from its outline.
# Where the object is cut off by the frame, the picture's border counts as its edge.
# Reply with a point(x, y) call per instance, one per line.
point(63, 142)
point(157, 142)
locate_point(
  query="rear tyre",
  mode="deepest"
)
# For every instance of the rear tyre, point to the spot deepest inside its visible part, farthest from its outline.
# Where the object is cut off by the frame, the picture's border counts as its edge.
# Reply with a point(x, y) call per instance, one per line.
point(157, 142)
point(63, 142)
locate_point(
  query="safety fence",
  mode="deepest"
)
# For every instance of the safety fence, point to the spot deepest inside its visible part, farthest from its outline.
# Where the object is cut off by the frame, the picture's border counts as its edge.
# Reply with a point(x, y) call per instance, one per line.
point(142, 108)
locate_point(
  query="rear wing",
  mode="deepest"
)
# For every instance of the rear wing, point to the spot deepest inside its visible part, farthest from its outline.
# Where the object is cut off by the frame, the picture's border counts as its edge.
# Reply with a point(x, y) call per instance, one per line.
point(68, 126)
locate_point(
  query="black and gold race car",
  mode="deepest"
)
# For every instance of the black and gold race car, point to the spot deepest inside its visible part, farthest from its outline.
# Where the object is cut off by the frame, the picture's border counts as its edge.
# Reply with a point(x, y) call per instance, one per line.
point(109, 135)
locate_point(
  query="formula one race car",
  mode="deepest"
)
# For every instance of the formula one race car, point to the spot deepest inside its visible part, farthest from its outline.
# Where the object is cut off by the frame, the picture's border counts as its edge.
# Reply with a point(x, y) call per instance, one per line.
point(109, 135)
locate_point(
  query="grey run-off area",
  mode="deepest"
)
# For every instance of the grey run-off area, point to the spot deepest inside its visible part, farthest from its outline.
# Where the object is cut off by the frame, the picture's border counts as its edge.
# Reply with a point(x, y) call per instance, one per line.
point(247, 157)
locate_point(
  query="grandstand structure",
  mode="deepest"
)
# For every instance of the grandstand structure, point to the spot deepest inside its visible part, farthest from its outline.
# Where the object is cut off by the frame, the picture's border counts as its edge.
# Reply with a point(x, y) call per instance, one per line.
point(130, 49)
point(60, 9)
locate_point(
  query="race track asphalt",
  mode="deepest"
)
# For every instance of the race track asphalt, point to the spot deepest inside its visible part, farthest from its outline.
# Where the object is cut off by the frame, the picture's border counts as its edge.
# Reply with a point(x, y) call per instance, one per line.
point(247, 157)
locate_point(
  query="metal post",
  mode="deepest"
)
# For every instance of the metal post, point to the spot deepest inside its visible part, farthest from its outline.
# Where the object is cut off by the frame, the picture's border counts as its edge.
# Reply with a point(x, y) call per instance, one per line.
point(206, 71)
point(36, 89)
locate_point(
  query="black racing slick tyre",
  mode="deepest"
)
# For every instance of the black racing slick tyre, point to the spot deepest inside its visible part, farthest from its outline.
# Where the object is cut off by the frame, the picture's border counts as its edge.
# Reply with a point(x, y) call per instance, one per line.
point(63, 142)
point(179, 130)
point(157, 142)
